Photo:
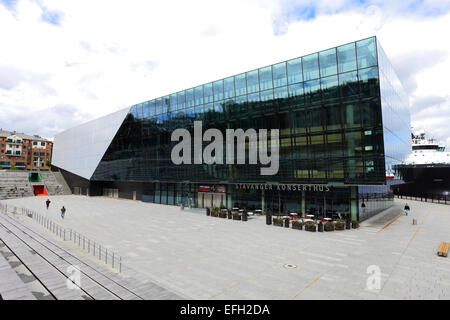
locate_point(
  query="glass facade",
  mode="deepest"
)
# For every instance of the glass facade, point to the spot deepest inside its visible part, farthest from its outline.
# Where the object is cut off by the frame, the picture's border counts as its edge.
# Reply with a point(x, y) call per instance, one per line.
point(395, 112)
point(340, 114)
point(327, 106)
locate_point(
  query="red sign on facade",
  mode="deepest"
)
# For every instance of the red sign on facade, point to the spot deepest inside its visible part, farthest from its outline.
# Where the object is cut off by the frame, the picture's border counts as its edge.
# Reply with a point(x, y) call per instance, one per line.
point(218, 188)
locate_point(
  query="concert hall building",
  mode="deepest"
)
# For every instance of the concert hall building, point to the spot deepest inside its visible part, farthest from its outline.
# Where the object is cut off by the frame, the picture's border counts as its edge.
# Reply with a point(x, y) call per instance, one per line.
point(343, 120)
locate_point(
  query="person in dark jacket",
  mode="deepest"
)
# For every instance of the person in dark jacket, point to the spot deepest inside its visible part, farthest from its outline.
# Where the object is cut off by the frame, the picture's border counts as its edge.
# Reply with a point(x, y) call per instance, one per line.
point(47, 203)
point(406, 208)
point(63, 212)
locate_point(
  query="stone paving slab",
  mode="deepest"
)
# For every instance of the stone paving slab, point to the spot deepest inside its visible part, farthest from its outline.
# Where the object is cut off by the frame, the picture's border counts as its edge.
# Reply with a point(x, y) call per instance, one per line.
point(59, 264)
point(123, 288)
point(211, 258)
point(48, 276)
point(11, 286)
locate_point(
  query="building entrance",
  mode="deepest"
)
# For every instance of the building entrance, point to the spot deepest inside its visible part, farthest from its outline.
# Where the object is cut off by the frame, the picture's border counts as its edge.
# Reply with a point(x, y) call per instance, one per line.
point(209, 199)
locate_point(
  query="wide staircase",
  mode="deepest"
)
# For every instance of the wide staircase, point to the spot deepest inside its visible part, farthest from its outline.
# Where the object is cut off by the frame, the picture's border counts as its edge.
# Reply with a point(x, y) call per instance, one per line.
point(15, 184)
point(60, 179)
point(35, 265)
point(51, 184)
point(19, 184)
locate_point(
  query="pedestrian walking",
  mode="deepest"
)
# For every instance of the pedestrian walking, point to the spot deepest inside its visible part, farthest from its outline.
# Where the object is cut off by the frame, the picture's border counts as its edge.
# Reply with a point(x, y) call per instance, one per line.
point(47, 203)
point(63, 212)
point(406, 208)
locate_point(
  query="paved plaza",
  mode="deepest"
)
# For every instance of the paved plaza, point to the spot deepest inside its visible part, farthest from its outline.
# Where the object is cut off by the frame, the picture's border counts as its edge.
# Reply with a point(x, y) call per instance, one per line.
point(204, 257)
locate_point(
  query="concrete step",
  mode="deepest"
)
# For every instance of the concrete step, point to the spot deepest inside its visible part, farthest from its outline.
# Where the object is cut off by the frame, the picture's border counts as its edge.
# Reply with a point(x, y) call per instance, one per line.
point(11, 286)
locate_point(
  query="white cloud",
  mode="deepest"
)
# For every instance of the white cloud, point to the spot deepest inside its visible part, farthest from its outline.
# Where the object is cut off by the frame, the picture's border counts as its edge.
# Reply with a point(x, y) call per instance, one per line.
point(107, 54)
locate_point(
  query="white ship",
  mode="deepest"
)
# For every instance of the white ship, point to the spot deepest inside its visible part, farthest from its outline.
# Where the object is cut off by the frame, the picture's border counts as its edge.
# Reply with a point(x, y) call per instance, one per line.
point(426, 171)
point(427, 151)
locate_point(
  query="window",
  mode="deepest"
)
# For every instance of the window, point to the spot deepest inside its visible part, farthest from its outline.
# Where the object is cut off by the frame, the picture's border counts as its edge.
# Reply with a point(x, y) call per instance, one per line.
point(312, 91)
point(348, 83)
point(333, 117)
point(190, 98)
point(296, 91)
point(146, 110)
point(252, 81)
point(208, 93)
point(279, 75)
point(294, 71)
point(198, 95)
point(266, 95)
point(311, 66)
point(152, 107)
point(280, 93)
point(254, 97)
point(369, 81)
point(327, 61)
point(241, 84)
point(218, 90)
point(228, 86)
point(34, 143)
point(366, 51)
point(346, 56)
point(181, 100)
point(296, 95)
point(265, 78)
point(352, 115)
point(173, 102)
point(330, 88)
point(158, 105)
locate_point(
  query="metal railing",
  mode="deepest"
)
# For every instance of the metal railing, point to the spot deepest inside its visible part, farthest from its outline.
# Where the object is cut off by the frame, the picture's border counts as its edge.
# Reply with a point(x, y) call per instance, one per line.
point(428, 197)
point(109, 257)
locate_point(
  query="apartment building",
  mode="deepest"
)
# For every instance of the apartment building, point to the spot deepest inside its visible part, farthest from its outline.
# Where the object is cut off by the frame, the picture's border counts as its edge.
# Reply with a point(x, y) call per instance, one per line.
point(24, 152)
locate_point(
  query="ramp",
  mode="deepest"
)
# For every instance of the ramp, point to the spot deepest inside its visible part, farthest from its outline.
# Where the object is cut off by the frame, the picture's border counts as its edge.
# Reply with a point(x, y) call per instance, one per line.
point(40, 191)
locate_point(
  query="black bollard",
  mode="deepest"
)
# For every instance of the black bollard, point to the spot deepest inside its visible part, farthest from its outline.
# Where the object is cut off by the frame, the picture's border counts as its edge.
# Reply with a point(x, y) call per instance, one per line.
point(348, 224)
point(268, 219)
point(320, 227)
point(208, 213)
point(244, 215)
point(286, 222)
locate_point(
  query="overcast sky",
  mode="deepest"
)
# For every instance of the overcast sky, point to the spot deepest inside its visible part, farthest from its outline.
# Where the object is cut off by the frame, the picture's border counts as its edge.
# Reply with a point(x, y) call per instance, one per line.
point(65, 62)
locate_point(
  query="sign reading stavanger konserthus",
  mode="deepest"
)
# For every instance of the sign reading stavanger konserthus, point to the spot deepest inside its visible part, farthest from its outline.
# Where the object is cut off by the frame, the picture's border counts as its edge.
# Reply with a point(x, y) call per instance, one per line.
point(283, 187)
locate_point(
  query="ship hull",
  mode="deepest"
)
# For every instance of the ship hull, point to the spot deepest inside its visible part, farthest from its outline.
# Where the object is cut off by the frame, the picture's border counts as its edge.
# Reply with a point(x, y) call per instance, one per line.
point(422, 179)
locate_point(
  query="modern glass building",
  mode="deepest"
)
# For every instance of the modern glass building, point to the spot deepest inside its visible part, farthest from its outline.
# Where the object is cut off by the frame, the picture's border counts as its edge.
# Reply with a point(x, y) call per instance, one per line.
point(343, 120)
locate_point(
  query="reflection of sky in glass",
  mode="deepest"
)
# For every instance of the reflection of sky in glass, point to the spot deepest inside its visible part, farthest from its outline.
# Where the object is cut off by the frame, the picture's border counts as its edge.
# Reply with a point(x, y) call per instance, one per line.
point(302, 82)
point(395, 112)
